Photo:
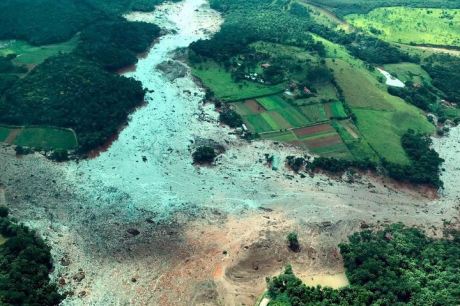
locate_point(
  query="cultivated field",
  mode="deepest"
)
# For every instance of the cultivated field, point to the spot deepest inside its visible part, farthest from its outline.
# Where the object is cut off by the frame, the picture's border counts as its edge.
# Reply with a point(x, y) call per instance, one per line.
point(411, 25)
point(44, 138)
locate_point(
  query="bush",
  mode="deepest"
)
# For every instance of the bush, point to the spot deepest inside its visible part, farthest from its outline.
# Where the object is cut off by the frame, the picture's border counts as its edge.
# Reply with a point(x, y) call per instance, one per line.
point(230, 118)
point(204, 155)
point(293, 241)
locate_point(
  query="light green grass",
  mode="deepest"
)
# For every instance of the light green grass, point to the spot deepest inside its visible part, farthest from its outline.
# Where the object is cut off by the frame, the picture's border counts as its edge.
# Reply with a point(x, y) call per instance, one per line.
point(383, 131)
point(359, 86)
point(34, 55)
point(272, 102)
point(409, 72)
point(4, 132)
point(314, 113)
point(242, 108)
point(220, 82)
point(337, 109)
point(293, 116)
point(412, 25)
point(46, 138)
point(283, 51)
point(285, 136)
point(257, 123)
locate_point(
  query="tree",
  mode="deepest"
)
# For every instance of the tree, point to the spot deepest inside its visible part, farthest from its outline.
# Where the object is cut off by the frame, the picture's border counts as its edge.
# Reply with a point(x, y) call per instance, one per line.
point(204, 155)
point(293, 241)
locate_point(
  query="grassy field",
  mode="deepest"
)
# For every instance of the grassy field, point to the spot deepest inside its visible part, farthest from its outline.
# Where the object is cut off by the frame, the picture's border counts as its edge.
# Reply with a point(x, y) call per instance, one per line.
point(41, 137)
point(381, 118)
point(34, 55)
point(335, 110)
point(408, 72)
point(220, 82)
point(4, 132)
point(411, 25)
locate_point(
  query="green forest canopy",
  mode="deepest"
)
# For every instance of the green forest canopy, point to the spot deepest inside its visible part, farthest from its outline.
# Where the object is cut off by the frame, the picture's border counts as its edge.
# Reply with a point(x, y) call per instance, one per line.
point(393, 266)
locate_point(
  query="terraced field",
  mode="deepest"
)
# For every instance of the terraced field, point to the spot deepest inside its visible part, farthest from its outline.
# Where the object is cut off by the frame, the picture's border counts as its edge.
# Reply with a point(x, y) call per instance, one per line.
point(274, 118)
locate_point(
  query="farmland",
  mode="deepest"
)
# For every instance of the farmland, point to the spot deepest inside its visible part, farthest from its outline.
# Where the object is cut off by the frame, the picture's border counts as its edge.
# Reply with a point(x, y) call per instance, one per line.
point(411, 25)
point(278, 119)
point(39, 138)
point(33, 55)
point(220, 82)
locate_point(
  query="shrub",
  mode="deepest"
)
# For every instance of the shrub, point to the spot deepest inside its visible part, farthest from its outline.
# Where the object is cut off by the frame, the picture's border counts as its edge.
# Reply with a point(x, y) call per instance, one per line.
point(293, 241)
point(204, 155)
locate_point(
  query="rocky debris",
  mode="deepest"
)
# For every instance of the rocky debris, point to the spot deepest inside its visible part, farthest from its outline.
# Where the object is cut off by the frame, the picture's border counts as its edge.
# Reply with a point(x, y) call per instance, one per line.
point(65, 261)
point(133, 231)
point(173, 69)
point(79, 276)
point(82, 294)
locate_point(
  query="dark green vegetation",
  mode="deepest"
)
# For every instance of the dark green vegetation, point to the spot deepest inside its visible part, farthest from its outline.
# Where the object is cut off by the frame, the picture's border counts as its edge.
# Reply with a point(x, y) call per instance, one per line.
point(70, 88)
point(293, 242)
point(425, 165)
point(204, 155)
point(394, 266)
point(115, 43)
point(297, 75)
point(43, 22)
point(25, 262)
point(67, 91)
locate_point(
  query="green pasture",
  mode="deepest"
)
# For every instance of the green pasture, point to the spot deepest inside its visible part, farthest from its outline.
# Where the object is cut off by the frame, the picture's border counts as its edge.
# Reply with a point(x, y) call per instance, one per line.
point(4, 132)
point(283, 51)
point(46, 138)
point(34, 55)
point(408, 72)
point(284, 136)
point(221, 83)
point(411, 25)
point(314, 112)
point(383, 131)
point(272, 102)
point(335, 109)
point(359, 86)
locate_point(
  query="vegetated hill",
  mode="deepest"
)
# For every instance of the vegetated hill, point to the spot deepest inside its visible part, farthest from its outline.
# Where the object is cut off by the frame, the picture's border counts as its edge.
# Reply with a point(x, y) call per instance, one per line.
point(25, 265)
point(345, 7)
point(49, 21)
point(68, 91)
point(394, 266)
point(115, 43)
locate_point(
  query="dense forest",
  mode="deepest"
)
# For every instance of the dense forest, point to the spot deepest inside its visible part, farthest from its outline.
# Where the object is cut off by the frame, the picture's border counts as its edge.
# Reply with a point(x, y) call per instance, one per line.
point(25, 263)
point(115, 43)
point(74, 90)
point(48, 21)
point(68, 91)
point(393, 266)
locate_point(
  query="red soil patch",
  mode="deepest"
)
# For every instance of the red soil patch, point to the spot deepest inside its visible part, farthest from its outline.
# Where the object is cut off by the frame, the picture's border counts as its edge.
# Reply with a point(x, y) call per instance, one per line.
point(254, 106)
point(312, 130)
point(324, 142)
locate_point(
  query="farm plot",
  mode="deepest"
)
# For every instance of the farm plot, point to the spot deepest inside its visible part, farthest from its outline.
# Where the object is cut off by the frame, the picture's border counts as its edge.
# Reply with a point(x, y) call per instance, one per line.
point(314, 112)
point(39, 137)
point(323, 140)
point(335, 110)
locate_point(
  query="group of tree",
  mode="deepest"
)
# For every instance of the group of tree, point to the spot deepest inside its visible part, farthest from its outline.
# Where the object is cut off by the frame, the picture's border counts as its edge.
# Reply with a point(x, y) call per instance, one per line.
point(74, 90)
point(115, 43)
point(445, 73)
point(71, 92)
point(393, 266)
point(25, 264)
point(425, 163)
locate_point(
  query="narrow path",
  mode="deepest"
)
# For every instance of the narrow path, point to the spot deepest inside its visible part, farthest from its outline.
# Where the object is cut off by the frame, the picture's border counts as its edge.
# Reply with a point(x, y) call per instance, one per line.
point(12, 136)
